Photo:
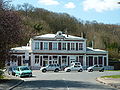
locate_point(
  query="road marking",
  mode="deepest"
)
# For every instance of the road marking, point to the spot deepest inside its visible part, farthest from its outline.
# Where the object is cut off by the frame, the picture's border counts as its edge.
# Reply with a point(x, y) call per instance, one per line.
point(66, 84)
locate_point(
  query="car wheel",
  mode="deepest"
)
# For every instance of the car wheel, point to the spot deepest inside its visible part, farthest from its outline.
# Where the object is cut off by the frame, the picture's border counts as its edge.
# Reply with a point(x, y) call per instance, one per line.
point(101, 70)
point(91, 70)
point(80, 70)
point(56, 70)
point(44, 70)
point(68, 70)
point(30, 76)
point(20, 76)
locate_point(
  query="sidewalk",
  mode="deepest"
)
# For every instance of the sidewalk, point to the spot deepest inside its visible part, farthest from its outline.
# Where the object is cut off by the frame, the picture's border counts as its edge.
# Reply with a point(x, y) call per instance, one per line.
point(115, 82)
point(9, 82)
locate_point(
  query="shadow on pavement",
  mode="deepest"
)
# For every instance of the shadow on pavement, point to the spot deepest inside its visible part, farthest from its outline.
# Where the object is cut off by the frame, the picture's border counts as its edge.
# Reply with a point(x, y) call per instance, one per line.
point(44, 84)
point(6, 83)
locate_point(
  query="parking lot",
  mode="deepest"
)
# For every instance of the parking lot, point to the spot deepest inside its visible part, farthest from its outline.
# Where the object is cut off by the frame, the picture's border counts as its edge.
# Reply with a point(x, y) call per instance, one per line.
point(65, 81)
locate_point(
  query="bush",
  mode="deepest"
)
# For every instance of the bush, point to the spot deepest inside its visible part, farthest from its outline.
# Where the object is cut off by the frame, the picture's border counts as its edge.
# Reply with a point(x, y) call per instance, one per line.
point(1, 72)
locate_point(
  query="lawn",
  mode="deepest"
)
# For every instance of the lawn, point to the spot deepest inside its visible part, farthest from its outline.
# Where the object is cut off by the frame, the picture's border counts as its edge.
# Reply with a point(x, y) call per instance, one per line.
point(112, 70)
point(112, 76)
point(1, 77)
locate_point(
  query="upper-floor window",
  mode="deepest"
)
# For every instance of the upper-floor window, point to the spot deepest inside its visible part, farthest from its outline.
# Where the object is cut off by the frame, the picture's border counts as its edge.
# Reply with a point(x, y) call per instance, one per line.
point(37, 45)
point(59, 46)
point(50, 45)
point(76, 46)
point(45, 46)
point(72, 46)
point(68, 46)
point(54, 46)
point(80, 46)
point(64, 46)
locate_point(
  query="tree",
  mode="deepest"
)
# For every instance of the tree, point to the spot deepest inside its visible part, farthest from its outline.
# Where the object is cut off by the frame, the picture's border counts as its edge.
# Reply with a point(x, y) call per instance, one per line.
point(10, 32)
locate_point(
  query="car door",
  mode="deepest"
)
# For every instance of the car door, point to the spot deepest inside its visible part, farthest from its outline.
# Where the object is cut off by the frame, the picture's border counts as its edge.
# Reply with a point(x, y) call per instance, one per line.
point(50, 67)
point(96, 67)
point(17, 71)
point(75, 68)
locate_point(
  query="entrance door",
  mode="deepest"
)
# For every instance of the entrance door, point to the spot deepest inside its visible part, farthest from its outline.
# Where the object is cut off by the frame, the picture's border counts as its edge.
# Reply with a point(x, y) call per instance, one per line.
point(19, 60)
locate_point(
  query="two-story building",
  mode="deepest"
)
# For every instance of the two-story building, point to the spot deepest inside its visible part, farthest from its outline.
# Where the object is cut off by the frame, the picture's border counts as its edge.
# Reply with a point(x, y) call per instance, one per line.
point(59, 49)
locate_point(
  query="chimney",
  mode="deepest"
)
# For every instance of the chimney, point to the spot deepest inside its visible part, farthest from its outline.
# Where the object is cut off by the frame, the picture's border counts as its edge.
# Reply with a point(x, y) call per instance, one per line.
point(81, 34)
point(66, 32)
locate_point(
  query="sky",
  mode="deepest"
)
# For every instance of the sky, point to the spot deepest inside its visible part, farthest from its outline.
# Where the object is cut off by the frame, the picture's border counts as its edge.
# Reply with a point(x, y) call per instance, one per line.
point(103, 11)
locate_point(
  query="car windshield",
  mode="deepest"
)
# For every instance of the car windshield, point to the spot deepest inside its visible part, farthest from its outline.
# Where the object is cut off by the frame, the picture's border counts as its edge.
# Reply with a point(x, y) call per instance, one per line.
point(24, 68)
point(14, 68)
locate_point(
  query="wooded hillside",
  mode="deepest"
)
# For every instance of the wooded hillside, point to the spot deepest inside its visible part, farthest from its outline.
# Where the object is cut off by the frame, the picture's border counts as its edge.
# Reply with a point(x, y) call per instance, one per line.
point(39, 21)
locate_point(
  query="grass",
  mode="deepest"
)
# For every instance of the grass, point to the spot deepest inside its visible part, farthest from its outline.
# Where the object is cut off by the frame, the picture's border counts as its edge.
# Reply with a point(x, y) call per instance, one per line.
point(1, 77)
point(112, 76)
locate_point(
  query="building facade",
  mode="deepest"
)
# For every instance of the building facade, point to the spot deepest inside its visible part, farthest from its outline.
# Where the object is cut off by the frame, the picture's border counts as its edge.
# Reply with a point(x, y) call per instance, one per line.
point(59, 49)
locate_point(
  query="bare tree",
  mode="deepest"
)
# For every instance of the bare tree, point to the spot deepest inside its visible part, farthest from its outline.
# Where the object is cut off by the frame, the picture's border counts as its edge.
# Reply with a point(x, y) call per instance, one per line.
point(10, 32)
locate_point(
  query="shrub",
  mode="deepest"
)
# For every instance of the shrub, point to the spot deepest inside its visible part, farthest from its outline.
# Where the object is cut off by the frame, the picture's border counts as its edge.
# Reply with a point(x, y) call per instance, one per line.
point(1, 72)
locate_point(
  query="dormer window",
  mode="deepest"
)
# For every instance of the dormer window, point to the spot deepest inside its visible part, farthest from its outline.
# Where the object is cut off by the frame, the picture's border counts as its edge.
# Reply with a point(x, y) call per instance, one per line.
point(59, 36)
point(59, 33)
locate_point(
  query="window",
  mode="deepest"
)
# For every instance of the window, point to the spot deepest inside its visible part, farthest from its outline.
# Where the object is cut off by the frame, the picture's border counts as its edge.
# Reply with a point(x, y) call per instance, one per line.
point(68, 46)
point(41, 45)
point(54, 46)
point(76, 46)
point(64, 46)
point(72, 46)
point(59, 46)
point(36, 59)
point(80, 46)
point(50, 45)
point(37, 44)
point(45, 46)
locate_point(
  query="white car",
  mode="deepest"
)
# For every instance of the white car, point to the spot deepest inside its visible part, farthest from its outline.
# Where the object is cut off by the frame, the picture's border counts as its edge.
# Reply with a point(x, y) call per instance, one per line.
point(74, 67)
point(99, 68)
point(51, 67)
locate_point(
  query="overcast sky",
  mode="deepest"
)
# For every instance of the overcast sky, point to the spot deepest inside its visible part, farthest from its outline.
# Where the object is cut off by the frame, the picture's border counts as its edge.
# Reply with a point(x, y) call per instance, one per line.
point(105, 11)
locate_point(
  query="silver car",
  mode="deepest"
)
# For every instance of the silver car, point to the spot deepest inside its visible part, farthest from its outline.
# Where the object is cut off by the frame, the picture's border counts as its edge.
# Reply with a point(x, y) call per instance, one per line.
point(51, 67)
point(97, 67)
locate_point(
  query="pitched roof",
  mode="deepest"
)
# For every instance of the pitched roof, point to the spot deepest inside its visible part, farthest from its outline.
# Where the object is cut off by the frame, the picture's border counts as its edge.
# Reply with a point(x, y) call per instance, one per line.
point(91, 50)
point(58, 35)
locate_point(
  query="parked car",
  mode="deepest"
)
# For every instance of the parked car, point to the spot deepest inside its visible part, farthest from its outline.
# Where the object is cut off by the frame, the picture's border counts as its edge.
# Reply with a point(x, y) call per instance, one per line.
point(11, 70)
point(51, 67)
point(22, 71)
point(76, 66)
point(99, 68)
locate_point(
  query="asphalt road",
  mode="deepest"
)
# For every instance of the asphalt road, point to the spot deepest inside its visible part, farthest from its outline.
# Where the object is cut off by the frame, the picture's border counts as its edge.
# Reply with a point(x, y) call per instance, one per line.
point(65, 81)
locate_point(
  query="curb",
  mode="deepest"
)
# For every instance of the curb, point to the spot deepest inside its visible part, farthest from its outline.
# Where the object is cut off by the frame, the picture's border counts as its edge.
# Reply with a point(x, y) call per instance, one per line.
point(101, 80)
point(20, 82)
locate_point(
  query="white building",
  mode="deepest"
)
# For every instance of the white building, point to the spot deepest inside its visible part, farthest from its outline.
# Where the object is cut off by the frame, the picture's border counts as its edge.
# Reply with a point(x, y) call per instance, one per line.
point(57, 48)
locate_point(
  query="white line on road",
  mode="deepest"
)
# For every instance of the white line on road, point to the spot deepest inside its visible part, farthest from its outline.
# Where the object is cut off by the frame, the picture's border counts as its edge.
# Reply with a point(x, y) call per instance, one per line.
point(65, 83)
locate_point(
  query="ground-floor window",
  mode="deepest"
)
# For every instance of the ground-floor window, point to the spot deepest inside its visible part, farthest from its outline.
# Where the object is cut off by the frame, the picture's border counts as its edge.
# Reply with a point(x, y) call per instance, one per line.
point(90, 60)
point(100, 59)
point(105, 61)
point(36, 59)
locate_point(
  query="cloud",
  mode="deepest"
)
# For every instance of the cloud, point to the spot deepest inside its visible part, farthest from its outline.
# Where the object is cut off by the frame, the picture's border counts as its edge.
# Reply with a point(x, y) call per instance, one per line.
point(49, 2)
point(101, 5)
point(70, 5)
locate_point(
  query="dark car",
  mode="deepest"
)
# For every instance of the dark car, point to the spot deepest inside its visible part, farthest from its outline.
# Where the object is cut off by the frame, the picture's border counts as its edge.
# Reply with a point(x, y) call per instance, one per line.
point(11, 70)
